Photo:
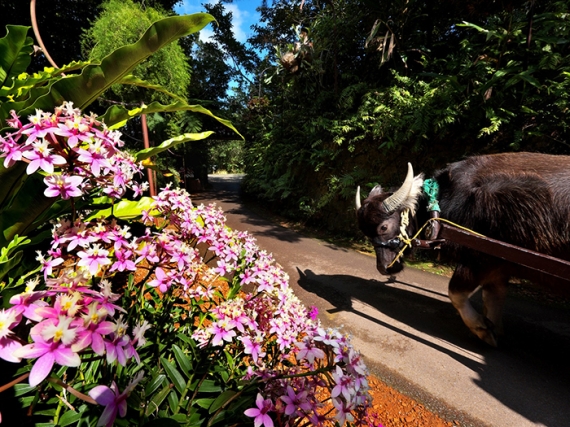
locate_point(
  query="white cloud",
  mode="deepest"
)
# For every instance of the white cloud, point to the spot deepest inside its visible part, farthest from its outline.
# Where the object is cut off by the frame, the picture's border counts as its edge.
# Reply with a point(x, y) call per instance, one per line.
point(244, 15)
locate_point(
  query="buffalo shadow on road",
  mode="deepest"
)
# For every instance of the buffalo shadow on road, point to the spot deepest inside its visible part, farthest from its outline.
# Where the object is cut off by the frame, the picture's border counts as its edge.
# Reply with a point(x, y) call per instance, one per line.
point(529, 372)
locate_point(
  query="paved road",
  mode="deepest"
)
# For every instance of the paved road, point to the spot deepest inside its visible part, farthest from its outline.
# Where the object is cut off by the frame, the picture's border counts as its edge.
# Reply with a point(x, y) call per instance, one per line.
point(411, 336)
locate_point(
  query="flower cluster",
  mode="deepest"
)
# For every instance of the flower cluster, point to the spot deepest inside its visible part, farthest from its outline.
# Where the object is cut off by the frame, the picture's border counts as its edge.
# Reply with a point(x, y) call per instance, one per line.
point(70, 319)
point(77, 153)
point(268, 316)
point(99, 274)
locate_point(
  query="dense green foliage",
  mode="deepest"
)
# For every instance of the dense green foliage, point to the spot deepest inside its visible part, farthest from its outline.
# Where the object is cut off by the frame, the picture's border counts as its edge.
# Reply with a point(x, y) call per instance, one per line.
point(61, 24)
point(367, 87)
point(123, 22)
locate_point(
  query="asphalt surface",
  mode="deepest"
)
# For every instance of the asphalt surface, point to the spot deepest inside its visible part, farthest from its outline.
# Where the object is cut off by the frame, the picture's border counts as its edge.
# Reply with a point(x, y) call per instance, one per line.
point(411, 336)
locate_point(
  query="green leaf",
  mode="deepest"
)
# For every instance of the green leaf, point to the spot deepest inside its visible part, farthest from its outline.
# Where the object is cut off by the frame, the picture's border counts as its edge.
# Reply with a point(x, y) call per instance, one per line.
point(162, 422)
point(12, 179)
point(118, 115)
point(135, 81)
point(153, 151)
point(204, 403)
point(207, 386)
point(27, 206)
point(153, 385)
point(85, 88)
point(527, 77)
point(15, 50)
point(48, 412)
point(9, 264)
point(157, 400)
point(68, 418)
point(183, 360)
point(125, 209)
point(173, 401)
point(22, 388)
point(221, 400)
point(15, 244)
point(173, 374)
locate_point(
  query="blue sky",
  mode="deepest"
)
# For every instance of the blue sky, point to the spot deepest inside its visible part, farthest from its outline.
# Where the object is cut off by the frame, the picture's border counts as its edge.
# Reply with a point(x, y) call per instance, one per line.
point(244, 16)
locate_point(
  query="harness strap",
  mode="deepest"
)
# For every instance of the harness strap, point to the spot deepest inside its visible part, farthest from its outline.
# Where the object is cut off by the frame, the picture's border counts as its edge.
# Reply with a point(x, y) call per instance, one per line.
point(429, 221)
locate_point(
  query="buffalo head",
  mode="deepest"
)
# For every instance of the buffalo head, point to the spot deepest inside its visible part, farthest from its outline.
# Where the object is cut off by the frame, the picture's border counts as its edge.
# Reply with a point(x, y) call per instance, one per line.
point(380, 218)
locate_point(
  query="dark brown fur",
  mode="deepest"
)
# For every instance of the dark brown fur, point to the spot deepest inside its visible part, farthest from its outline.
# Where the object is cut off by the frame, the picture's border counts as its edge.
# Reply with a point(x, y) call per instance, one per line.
point(519, 198)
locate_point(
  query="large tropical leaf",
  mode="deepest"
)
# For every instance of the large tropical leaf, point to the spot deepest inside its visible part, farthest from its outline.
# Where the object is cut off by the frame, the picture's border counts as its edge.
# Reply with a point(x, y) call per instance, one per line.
point(117, 115)
point(86, 87)
point(27, 205)
point(15, 49)
point(152, 151)
point(135, 81)
point(11, 179)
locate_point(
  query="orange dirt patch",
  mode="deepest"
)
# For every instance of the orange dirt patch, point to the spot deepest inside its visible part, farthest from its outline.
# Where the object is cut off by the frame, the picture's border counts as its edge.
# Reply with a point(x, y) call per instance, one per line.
point(393, 409)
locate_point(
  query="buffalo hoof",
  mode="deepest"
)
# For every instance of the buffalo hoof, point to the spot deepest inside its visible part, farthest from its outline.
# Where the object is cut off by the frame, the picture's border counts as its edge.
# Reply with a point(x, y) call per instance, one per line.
point(487, 333)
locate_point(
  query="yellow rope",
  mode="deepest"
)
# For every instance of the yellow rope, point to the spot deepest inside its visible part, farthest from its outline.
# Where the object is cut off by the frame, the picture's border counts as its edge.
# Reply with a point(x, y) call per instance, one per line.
point(408, 241)
point(404, 222)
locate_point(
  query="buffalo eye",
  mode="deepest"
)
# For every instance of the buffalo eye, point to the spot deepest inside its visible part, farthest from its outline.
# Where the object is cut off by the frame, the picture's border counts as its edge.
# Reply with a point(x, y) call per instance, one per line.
point(383, 227)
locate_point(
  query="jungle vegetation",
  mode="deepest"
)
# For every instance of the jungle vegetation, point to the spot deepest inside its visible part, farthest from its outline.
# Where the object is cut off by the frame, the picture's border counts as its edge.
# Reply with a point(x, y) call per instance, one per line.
point(331, 94)
point(359, 88)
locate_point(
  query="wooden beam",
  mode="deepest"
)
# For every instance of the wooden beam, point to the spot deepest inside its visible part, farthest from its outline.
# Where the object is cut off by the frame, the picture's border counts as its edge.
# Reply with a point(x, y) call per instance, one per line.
point(540, 263)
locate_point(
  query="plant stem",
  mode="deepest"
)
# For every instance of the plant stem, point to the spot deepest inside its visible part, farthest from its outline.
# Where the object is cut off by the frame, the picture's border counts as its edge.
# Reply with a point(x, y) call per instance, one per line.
point(14, 382)
point(71, 390)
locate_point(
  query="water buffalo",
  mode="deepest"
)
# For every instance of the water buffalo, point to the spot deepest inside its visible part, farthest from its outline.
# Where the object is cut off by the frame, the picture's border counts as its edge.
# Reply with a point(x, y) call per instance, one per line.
point(519, 198)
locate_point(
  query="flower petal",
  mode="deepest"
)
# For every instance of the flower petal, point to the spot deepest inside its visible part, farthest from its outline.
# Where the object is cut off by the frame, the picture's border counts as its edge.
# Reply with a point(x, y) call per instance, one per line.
point(102, 394)
point(7, 348)
point(122, 408)
point(65, 357)
point(108, 416)
point(31, 351)
point(41, 369)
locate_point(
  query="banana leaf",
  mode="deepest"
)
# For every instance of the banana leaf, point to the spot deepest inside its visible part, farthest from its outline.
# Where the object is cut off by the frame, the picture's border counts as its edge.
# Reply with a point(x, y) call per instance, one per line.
point(117, 115)
point(15, 50)
point(85, 88)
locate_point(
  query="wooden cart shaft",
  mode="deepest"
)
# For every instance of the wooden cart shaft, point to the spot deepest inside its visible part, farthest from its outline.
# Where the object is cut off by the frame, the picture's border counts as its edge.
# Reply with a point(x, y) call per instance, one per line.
point(534, 265)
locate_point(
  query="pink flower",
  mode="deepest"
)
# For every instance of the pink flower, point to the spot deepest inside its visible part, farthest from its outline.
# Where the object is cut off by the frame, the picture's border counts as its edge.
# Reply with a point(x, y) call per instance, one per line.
point(252, 347)
point(63, 186)
point(221, 332)
point(162, 281)
point(11, 150)
point(74, 131)
point(93, 259)
point(95, 329)
point(344, 384)
point(114, 402)
point(49, 264)
point(124, 261)
point(295, 401)
point(55, 349)
point(14, 121)
point(259, 414)
point(138, 333)
point(119, 348)
point(9, 319)
point(41, 158)
point(308, 351)
point(95, 157)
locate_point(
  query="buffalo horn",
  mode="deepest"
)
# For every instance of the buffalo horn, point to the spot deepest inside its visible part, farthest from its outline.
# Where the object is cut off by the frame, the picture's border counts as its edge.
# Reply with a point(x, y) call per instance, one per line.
point(395, 200)
point(357, 198)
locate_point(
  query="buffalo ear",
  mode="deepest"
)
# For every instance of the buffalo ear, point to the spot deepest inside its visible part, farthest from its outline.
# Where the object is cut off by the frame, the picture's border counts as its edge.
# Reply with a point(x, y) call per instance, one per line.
point(376, 191)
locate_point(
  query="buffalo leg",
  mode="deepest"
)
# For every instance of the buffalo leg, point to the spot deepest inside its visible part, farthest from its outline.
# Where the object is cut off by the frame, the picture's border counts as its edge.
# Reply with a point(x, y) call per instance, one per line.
point(494, 295)
point(461, 286)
